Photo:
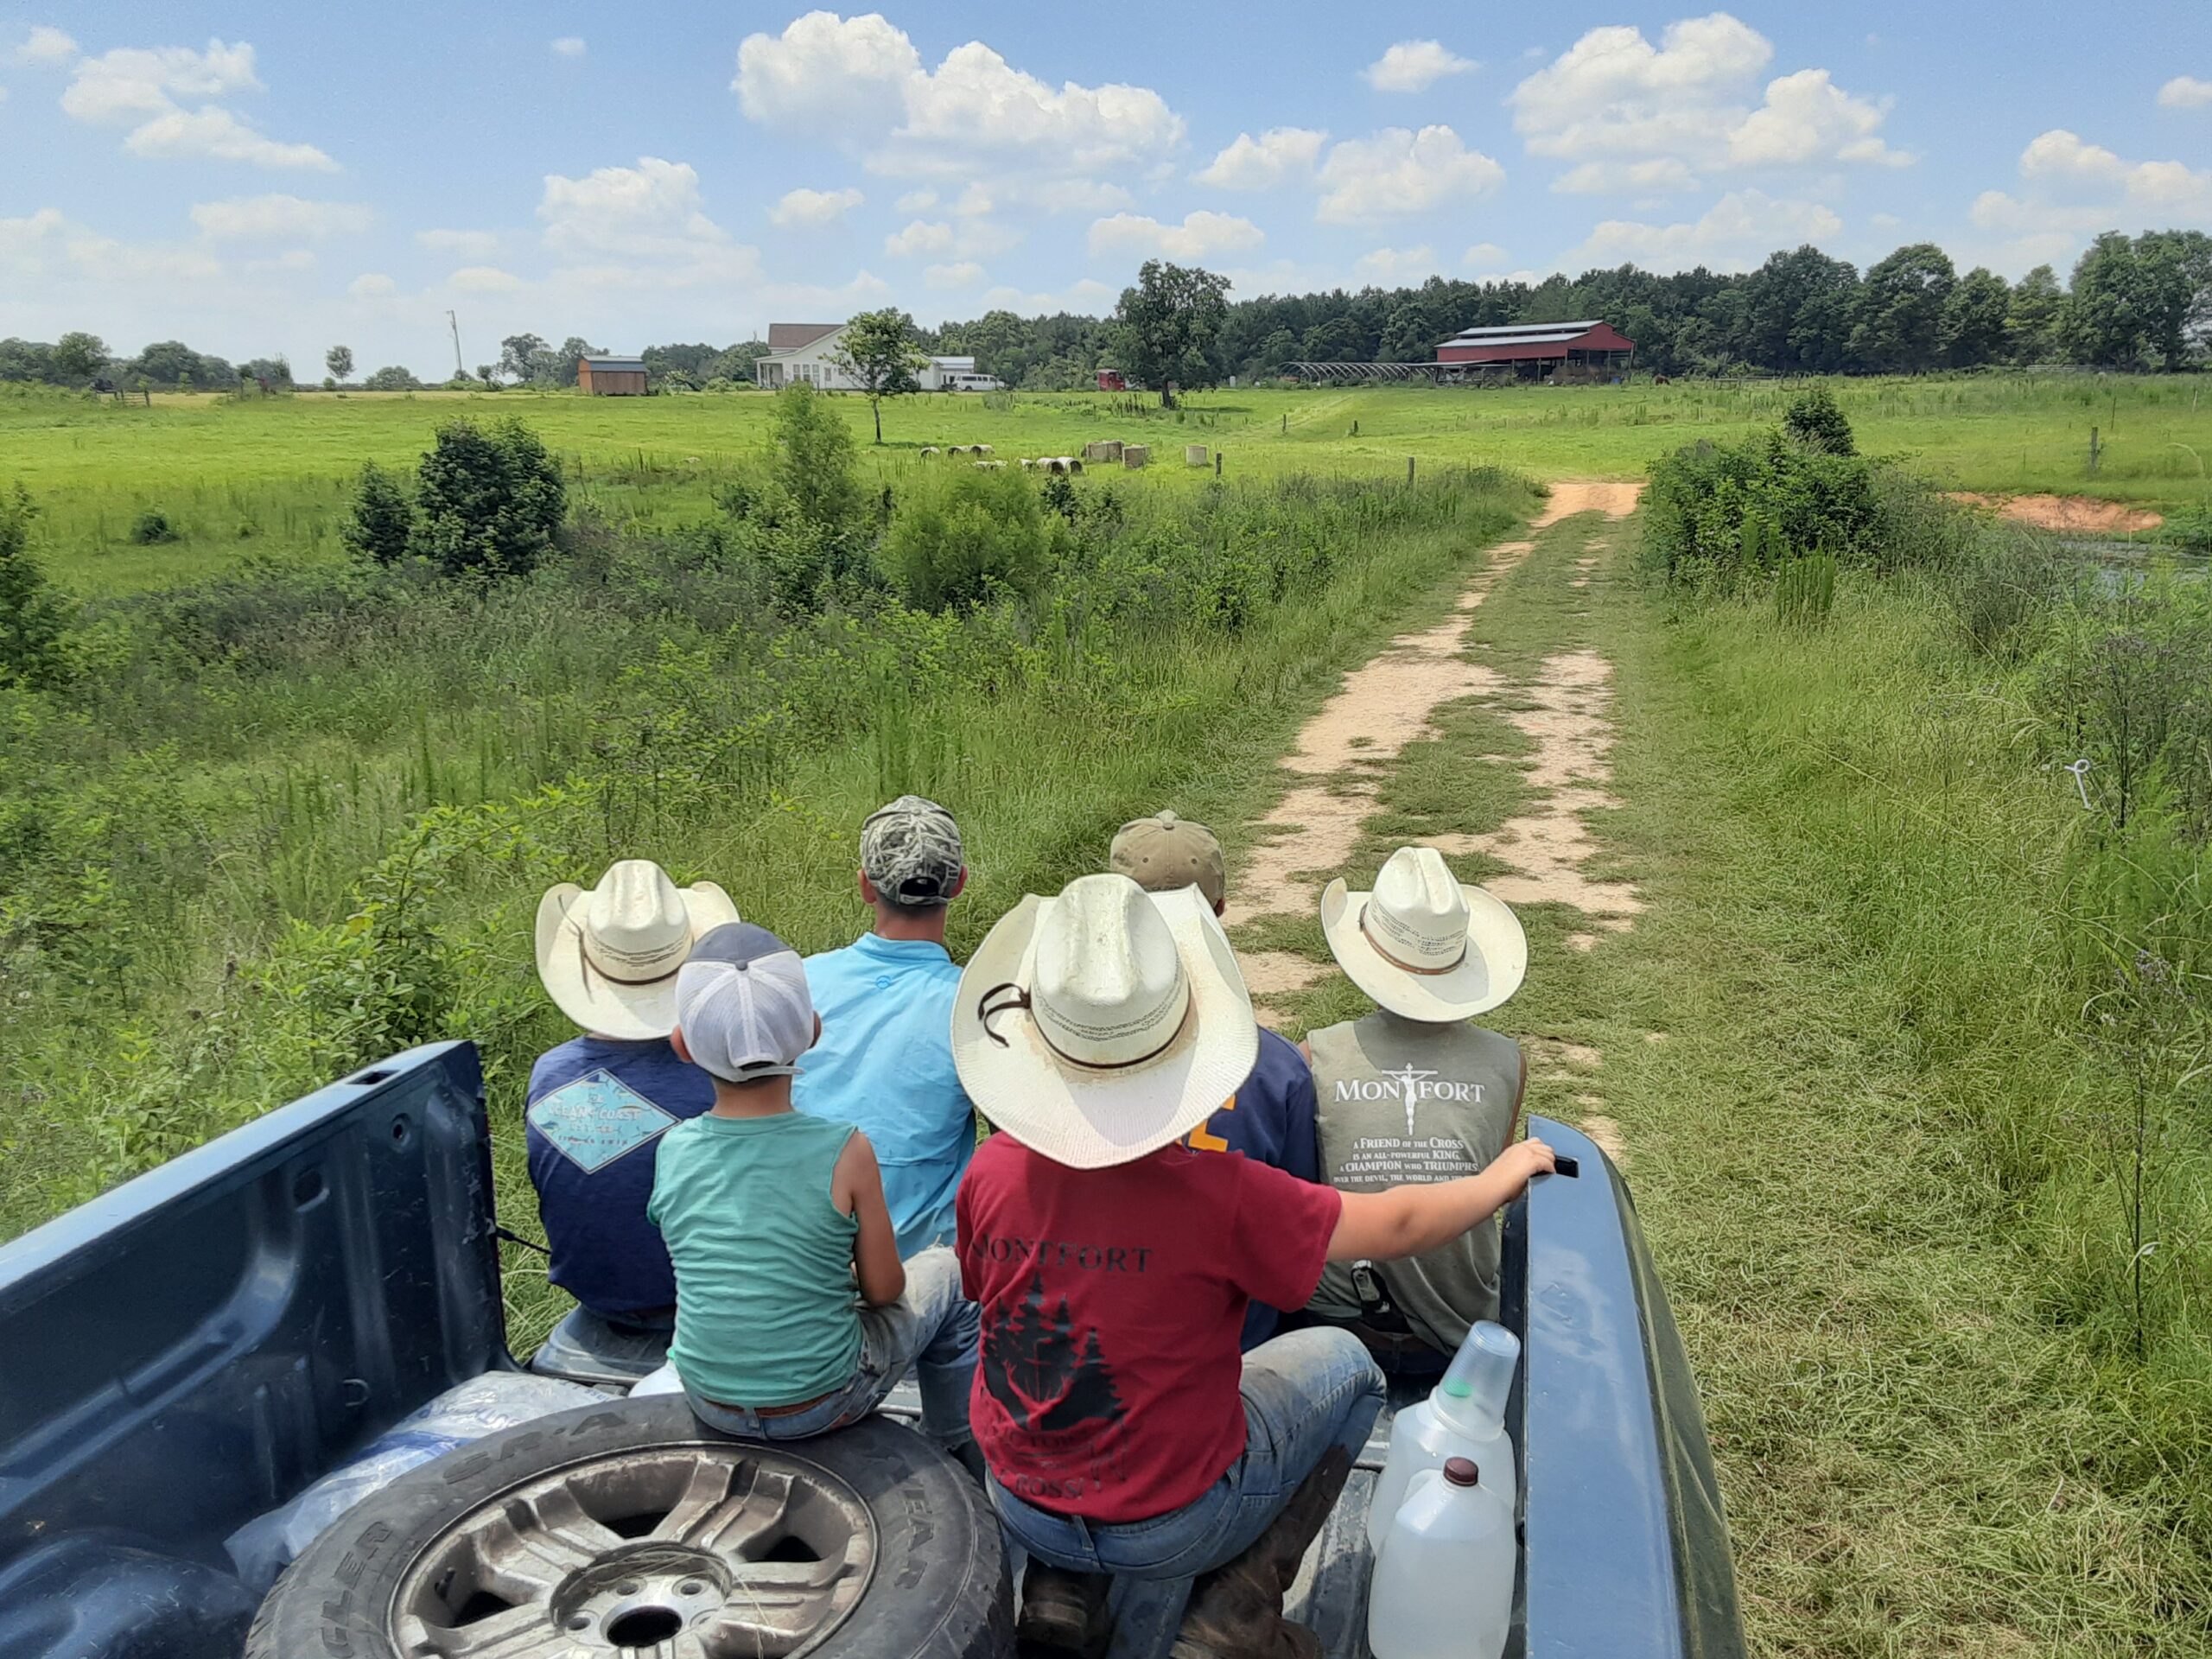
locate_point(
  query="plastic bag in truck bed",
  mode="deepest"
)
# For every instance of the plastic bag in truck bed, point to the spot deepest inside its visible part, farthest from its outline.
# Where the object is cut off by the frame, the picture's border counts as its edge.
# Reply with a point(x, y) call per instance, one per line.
point(265, 1545)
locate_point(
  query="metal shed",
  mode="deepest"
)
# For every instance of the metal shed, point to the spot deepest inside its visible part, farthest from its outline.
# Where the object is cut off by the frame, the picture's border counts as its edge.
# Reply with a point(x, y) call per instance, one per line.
point(1564, 350)
point(612, 377)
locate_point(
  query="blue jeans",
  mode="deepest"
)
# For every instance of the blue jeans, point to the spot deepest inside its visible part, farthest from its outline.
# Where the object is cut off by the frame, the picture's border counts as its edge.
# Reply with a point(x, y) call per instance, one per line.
point(931, 1328)
point(1304, 1392)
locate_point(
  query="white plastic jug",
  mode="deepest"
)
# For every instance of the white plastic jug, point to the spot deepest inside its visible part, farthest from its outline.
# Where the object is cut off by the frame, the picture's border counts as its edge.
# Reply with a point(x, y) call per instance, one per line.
point(1464, 1417)
point(1444, 1579)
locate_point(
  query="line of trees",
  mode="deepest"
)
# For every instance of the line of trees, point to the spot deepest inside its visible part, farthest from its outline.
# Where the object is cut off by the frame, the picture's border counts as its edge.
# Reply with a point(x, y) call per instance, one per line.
point(2132, 302)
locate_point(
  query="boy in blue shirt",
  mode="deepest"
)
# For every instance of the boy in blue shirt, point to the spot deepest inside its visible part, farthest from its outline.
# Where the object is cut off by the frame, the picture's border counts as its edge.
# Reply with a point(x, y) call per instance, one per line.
point(885, 1060)
point(1270, 1118)
point(600, 1103)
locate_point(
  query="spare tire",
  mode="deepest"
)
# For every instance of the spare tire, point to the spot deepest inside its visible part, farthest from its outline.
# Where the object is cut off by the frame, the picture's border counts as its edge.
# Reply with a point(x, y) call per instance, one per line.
point(632, 1531)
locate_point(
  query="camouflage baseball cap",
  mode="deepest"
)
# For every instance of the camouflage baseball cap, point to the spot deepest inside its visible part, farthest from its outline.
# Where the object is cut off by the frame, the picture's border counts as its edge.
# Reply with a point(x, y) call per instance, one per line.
point(910, 850)
point(1164, 853)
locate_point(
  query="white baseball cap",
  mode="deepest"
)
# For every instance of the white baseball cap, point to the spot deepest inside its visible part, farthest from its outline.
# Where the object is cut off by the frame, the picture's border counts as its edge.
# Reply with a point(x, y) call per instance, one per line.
point(742, 1005)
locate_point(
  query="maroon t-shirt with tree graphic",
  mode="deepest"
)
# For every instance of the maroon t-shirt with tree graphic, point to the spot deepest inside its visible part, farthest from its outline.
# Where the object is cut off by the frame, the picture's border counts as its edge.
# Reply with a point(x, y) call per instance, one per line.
point(1113, 1300)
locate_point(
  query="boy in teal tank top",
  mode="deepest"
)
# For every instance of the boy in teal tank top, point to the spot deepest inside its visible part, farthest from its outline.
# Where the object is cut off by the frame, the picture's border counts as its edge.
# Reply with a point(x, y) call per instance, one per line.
point(794, 1315)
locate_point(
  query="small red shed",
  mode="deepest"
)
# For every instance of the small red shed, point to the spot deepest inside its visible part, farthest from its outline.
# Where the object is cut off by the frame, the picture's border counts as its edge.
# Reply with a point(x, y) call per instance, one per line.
point(1112, 380)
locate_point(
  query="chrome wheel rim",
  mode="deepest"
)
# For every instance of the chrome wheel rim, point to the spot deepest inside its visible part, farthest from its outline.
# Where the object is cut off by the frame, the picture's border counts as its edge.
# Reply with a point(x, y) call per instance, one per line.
point(721, 1550)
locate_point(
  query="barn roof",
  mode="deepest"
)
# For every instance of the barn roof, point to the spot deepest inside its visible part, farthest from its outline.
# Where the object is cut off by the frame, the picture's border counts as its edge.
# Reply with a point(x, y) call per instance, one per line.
point(617, 365)
point(790, 336)
point(1521, 334)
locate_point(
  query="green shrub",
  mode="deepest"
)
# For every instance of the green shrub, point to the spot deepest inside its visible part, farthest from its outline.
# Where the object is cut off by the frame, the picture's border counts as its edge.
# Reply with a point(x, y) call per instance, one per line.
point(151, 528)
point(32, 616)
point(969, 536)
point(815, 460)
point(491, 500)
point(1815, 421)
point(381, 525)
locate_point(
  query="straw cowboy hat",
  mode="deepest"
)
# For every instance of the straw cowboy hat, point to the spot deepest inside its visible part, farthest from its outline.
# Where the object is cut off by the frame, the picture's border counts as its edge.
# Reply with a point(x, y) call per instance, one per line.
point(609, 958)
point(1424, 944)
point(1100, 1025)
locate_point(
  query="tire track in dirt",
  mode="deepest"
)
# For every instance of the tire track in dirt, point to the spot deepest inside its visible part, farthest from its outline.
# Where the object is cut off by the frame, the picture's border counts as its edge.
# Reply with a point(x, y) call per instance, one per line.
point(1344, 751)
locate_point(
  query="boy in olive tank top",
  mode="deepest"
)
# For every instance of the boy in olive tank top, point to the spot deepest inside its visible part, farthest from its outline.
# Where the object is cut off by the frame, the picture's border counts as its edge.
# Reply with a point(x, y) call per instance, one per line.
point(1416, 1092)
point(775, 1218)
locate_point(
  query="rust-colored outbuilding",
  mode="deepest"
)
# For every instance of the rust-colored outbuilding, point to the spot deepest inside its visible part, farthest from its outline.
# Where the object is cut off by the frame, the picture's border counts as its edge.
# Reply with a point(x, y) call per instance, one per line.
point(1531, 351)
point(612, 377)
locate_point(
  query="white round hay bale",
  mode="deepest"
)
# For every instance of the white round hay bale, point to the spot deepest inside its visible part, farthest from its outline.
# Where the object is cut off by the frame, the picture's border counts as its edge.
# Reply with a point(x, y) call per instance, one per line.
point(982, 448)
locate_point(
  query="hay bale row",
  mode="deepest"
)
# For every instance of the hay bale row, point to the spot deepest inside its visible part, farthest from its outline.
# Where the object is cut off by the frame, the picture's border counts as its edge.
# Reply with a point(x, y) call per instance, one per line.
point(1103, 449)
point(958, 449)
point(1054, 464)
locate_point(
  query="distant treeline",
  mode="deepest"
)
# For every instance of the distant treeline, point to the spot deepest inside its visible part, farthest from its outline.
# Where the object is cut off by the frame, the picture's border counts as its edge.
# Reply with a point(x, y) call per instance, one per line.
point(2141, 302)
point(2131, 302)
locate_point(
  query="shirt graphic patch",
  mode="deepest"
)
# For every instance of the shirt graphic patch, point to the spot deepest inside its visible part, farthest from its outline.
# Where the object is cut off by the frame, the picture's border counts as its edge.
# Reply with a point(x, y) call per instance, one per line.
point(597, 1119)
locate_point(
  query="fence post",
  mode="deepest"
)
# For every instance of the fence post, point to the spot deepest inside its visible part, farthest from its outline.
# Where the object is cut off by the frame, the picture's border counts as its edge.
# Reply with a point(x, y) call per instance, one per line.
point(1216, 463)
point(2093, 452)
point(1409, 469)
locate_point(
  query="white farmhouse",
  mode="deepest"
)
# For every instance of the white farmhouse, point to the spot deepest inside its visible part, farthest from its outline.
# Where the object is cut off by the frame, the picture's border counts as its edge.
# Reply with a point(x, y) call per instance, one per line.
point(803, 353)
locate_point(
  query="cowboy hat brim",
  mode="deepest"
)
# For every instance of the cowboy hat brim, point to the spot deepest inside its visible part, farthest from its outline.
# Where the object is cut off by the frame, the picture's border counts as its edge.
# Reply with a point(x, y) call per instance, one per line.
point(1495, 962)
point(633, 1012)
point(1094, 1118)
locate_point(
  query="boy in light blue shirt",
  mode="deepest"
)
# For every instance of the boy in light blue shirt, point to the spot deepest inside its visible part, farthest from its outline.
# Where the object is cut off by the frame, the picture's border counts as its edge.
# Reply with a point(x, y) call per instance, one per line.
point(885, 1060)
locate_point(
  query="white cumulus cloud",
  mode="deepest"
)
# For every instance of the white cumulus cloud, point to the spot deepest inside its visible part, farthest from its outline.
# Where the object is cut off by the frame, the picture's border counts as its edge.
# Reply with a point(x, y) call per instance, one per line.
point(371, 285)
point(2071, 186)
point(468, 245)
point(1201, 235)
point(1278, 155)
point(1733, 234)
point(804, 206)
point(1398, 173)
point(2185, 92)
point(279, 219)
point(859, 83)
point(1414, 67)
point(917, 202)
point(1613, 102)
point(146, 88)
point(922, 236)
point(1396, 267)
point(964, 273)
point(642, 227)
point(568, 46)
point(483, 279)
point(45, 45)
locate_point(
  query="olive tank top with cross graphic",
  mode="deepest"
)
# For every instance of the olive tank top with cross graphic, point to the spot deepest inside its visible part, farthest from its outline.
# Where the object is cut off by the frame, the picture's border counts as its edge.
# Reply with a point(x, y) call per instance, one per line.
point(1401, 1102)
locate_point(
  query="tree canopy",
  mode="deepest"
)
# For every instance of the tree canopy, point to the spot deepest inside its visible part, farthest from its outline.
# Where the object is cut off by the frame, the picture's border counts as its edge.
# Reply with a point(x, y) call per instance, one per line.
point(877, 348)
point(1168, 324)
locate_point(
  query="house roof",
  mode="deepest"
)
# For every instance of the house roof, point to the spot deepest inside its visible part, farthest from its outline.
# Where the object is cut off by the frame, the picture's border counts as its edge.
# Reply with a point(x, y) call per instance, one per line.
point(617, 365)
point(1520, 333)
point(790, 336)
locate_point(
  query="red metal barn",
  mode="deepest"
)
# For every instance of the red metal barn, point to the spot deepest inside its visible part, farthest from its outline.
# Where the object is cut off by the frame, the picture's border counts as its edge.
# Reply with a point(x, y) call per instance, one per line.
point(1112, 380)
point(1559, 352)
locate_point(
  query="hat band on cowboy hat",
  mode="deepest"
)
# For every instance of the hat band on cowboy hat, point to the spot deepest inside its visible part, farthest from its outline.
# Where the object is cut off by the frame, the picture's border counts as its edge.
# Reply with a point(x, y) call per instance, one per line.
point(1436, 954)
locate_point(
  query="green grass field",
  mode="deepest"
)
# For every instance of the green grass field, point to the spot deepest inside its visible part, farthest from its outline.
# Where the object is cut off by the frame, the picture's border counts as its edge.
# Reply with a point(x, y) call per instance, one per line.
point(269, 478)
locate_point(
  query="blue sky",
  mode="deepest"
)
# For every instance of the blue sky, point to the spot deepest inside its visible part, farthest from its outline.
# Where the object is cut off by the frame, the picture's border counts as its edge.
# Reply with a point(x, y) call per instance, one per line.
point(256, 178)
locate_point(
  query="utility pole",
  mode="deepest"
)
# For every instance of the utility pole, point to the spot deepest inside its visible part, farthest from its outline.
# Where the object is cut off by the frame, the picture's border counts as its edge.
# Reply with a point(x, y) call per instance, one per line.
point(453, 322)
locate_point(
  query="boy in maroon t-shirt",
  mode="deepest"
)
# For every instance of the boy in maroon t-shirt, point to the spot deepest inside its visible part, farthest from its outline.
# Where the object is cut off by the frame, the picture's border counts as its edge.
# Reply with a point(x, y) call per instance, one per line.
point(1124, 1432)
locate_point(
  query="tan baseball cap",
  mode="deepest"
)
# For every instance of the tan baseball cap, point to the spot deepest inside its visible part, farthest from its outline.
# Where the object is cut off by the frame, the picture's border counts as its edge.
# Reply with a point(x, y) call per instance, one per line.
point(1164, 854)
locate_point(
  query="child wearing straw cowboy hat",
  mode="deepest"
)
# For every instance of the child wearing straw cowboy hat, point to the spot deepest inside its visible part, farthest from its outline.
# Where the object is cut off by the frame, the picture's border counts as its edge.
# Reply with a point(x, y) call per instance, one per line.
point(1416, 1092)
point(600, 1103)
point(1124, 1432)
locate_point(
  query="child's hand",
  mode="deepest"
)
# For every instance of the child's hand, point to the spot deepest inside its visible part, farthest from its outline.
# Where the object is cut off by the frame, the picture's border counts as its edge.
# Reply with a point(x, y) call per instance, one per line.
point(1525, 1159)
